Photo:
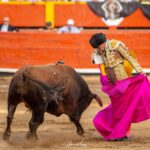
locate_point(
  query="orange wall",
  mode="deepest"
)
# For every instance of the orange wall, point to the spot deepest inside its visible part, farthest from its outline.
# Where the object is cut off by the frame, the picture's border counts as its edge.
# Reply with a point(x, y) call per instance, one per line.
point(19, 49)
point(34, 15)
point(136, 19)
point(81, 13)
point(24, 15)
point(83, 16)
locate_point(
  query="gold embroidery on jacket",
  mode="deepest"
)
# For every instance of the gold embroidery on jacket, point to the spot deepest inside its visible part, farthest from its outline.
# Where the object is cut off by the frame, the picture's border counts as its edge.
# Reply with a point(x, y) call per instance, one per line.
point(114, 56)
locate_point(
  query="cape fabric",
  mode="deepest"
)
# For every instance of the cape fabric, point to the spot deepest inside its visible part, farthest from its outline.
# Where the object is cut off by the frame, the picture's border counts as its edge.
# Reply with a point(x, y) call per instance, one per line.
point(130, 103)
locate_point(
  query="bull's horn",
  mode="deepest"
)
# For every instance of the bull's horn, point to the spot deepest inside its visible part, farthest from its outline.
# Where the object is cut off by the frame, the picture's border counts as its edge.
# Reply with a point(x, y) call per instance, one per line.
point(60, 89)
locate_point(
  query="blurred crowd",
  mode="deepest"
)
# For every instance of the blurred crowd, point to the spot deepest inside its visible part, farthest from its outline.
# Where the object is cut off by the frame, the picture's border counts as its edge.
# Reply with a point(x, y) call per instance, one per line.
point(69, 27)
point(71, 0)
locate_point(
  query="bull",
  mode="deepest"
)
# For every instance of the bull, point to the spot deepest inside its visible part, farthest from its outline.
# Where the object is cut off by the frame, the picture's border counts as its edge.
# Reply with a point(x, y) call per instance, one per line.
point(56, 89)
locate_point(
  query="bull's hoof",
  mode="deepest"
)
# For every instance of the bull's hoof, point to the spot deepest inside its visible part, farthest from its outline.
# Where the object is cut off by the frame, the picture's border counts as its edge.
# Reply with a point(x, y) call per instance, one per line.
point(6, 136)
point(31, 136)
point(80, 132)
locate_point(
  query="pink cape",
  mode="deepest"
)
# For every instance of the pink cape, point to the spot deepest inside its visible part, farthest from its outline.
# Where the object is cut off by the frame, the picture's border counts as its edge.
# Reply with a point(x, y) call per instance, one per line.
point(130, 103)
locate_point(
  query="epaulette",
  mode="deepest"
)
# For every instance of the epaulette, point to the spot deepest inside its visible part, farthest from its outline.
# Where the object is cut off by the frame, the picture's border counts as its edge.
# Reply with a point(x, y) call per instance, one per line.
point(113, 44)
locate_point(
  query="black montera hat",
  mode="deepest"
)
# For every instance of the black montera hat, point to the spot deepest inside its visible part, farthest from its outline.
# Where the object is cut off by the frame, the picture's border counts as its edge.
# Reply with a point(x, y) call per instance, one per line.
point(97, 39)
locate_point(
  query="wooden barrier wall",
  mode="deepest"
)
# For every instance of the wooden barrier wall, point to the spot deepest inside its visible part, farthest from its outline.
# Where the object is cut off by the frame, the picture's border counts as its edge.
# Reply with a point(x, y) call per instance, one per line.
point(19, 49)
point(36, 14)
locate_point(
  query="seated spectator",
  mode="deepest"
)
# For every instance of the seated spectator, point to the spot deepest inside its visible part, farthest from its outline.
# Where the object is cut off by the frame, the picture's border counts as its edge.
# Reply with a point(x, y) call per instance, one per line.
point(48, 26)
point(5, 26)
point(69, 28)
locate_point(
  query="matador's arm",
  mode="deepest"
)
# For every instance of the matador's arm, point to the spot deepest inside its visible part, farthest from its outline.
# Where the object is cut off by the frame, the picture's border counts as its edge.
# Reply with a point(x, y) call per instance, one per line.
point(124, 53)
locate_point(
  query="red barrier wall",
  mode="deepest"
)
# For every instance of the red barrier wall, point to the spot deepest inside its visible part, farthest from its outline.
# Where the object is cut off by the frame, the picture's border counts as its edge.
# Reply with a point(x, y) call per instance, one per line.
point(19, 49)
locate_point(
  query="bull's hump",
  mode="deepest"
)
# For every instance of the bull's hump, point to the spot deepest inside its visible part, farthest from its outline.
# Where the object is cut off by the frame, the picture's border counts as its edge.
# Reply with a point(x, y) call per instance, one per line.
point(49, 69)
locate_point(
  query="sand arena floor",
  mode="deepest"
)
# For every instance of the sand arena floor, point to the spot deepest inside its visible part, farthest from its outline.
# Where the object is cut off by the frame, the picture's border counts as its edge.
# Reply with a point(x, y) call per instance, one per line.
point(58, 133)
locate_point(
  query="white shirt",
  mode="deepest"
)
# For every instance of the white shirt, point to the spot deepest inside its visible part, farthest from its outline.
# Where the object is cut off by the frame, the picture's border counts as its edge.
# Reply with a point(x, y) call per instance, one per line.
point(4, 28)
point(67, 29)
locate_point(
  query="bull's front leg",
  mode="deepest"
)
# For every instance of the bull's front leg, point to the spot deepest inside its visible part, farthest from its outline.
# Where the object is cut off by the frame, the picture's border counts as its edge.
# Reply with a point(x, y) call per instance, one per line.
point(36, 120)
point(11, 111)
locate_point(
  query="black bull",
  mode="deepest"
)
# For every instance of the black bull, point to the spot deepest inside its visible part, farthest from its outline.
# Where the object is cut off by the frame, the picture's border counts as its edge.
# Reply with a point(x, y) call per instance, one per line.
point(55, 89)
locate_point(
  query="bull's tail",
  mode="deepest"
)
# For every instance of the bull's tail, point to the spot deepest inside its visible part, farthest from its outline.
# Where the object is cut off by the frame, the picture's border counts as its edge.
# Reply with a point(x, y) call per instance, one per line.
point(98, 99)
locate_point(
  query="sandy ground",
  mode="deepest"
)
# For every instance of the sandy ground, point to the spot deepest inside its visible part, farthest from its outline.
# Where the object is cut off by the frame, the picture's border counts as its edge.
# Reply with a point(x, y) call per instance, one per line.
point(58, 133)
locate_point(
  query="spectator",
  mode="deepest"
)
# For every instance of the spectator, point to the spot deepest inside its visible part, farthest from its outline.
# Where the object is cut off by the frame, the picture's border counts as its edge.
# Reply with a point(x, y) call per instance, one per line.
point(48, 25)
point(69, 28)
point(5, 26)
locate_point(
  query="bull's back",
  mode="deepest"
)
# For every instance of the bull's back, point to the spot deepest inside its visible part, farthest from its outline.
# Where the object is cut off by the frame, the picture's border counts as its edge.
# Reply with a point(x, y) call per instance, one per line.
point(51, 73)
point(55, 75)
point(61, 75)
